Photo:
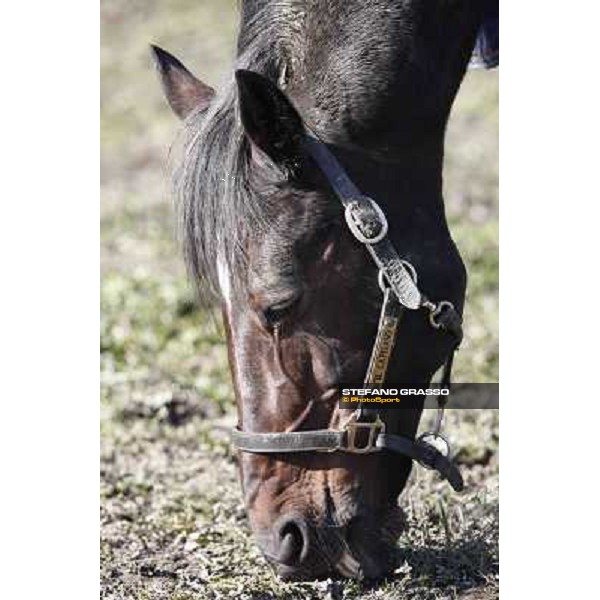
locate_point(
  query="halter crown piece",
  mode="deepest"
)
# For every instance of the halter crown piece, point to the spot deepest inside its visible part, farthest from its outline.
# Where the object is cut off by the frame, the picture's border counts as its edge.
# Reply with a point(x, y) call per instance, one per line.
point(364, 432)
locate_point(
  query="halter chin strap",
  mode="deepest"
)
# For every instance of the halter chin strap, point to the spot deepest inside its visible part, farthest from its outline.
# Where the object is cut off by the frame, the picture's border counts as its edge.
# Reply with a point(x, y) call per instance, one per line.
point(346, 440)
point(364, 432)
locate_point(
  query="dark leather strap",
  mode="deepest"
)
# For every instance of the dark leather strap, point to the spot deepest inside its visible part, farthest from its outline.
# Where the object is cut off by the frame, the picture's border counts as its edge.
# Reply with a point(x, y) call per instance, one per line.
point(424, 453)
point(369, 220)
point(319, 440)
point(367, 214)
point(337, 177)
point(327, 440)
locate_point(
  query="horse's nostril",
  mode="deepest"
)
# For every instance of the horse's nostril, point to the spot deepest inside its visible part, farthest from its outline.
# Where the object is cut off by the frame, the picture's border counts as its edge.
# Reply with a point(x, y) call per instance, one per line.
point(293, 541)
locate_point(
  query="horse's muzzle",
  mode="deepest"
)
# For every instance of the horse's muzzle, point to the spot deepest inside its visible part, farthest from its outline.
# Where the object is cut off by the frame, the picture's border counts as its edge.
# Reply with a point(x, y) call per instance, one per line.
point(300, 551)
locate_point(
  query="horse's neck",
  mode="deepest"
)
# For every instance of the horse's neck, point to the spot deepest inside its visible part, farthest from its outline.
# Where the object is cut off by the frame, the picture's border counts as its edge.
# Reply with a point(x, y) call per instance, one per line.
point(373, 74)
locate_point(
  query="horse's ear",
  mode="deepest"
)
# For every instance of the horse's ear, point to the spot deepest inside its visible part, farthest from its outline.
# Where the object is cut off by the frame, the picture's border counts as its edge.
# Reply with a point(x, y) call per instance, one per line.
point(183, 91)
point(268, 117)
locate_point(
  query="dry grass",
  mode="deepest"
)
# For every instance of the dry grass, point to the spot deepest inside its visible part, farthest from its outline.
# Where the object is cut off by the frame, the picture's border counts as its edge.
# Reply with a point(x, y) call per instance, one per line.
point(173, 525)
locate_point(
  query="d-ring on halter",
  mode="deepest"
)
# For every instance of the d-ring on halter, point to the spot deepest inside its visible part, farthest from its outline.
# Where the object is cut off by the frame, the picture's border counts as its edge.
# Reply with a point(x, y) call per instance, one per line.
point(398, 282)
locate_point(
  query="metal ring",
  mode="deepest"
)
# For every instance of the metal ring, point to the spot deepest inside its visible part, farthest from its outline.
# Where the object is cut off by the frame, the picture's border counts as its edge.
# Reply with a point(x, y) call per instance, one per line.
point(428, 304)
point(353, 225)
point(382, 281)
point(437, 311)
point(422, 439)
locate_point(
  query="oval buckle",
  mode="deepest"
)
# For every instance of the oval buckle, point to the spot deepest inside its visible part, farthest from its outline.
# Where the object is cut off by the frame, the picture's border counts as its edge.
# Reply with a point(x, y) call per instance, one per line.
point(366, 220)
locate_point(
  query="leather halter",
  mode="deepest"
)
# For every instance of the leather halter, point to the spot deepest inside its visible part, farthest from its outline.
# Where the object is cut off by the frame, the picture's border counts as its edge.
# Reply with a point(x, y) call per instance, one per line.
point(398, 282)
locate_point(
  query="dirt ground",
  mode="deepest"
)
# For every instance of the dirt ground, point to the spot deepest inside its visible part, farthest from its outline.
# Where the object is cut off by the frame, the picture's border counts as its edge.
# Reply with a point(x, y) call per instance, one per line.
point(172, 520)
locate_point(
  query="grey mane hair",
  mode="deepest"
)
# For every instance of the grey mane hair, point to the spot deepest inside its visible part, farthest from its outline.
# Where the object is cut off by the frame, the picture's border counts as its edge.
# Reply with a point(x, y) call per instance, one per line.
point(220, 197)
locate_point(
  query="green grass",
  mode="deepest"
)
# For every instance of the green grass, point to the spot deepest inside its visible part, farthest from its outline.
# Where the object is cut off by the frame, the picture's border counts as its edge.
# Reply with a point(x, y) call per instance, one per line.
point(173, 523)
point(477, 360)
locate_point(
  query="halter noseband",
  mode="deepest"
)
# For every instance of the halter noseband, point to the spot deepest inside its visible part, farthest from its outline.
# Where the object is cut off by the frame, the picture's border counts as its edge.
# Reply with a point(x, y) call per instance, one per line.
point(398, 281)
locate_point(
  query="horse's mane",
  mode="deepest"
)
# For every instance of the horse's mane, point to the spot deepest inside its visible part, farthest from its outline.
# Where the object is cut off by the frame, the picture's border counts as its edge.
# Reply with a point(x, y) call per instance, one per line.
point(217, 196)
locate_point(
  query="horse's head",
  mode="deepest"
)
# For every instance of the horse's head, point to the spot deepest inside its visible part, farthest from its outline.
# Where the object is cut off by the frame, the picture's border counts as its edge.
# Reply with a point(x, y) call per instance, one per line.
point(262, 226)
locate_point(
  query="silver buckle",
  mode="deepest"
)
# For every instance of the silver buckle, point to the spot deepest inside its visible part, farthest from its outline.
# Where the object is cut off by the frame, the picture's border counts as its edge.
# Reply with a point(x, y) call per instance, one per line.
point(355, 223)
point(353, 427)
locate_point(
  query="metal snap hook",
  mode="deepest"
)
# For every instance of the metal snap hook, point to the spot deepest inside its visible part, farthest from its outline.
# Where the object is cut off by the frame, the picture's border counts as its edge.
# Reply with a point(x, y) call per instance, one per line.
point(437, 311)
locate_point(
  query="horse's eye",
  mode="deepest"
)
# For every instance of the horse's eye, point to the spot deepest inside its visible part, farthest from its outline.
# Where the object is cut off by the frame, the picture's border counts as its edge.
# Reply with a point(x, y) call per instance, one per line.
point(276, 313)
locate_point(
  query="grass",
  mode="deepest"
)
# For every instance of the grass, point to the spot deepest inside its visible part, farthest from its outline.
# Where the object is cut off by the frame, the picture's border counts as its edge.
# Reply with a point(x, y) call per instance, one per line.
point(172, 519)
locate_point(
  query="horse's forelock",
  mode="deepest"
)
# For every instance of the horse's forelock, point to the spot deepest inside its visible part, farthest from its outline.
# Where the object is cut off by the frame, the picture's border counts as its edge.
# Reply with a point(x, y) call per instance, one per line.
point(217, 202)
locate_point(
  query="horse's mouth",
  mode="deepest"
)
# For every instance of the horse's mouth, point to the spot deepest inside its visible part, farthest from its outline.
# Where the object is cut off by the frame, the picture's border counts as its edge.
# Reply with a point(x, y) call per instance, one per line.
point(357, 564)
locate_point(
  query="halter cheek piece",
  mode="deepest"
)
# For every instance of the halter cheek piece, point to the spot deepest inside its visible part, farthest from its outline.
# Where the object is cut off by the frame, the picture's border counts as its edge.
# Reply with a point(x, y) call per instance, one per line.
point(364, 432)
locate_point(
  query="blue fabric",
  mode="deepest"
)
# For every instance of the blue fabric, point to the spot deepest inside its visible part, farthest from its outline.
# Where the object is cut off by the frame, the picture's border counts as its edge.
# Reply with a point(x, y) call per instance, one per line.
point(486, 54)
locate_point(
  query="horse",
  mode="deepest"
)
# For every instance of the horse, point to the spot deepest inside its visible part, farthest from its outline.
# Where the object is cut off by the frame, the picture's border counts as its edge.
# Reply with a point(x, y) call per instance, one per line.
point(309, 200)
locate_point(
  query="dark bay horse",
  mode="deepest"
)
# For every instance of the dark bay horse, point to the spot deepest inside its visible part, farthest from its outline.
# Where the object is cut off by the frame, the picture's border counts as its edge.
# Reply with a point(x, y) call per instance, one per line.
point(263, 230)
